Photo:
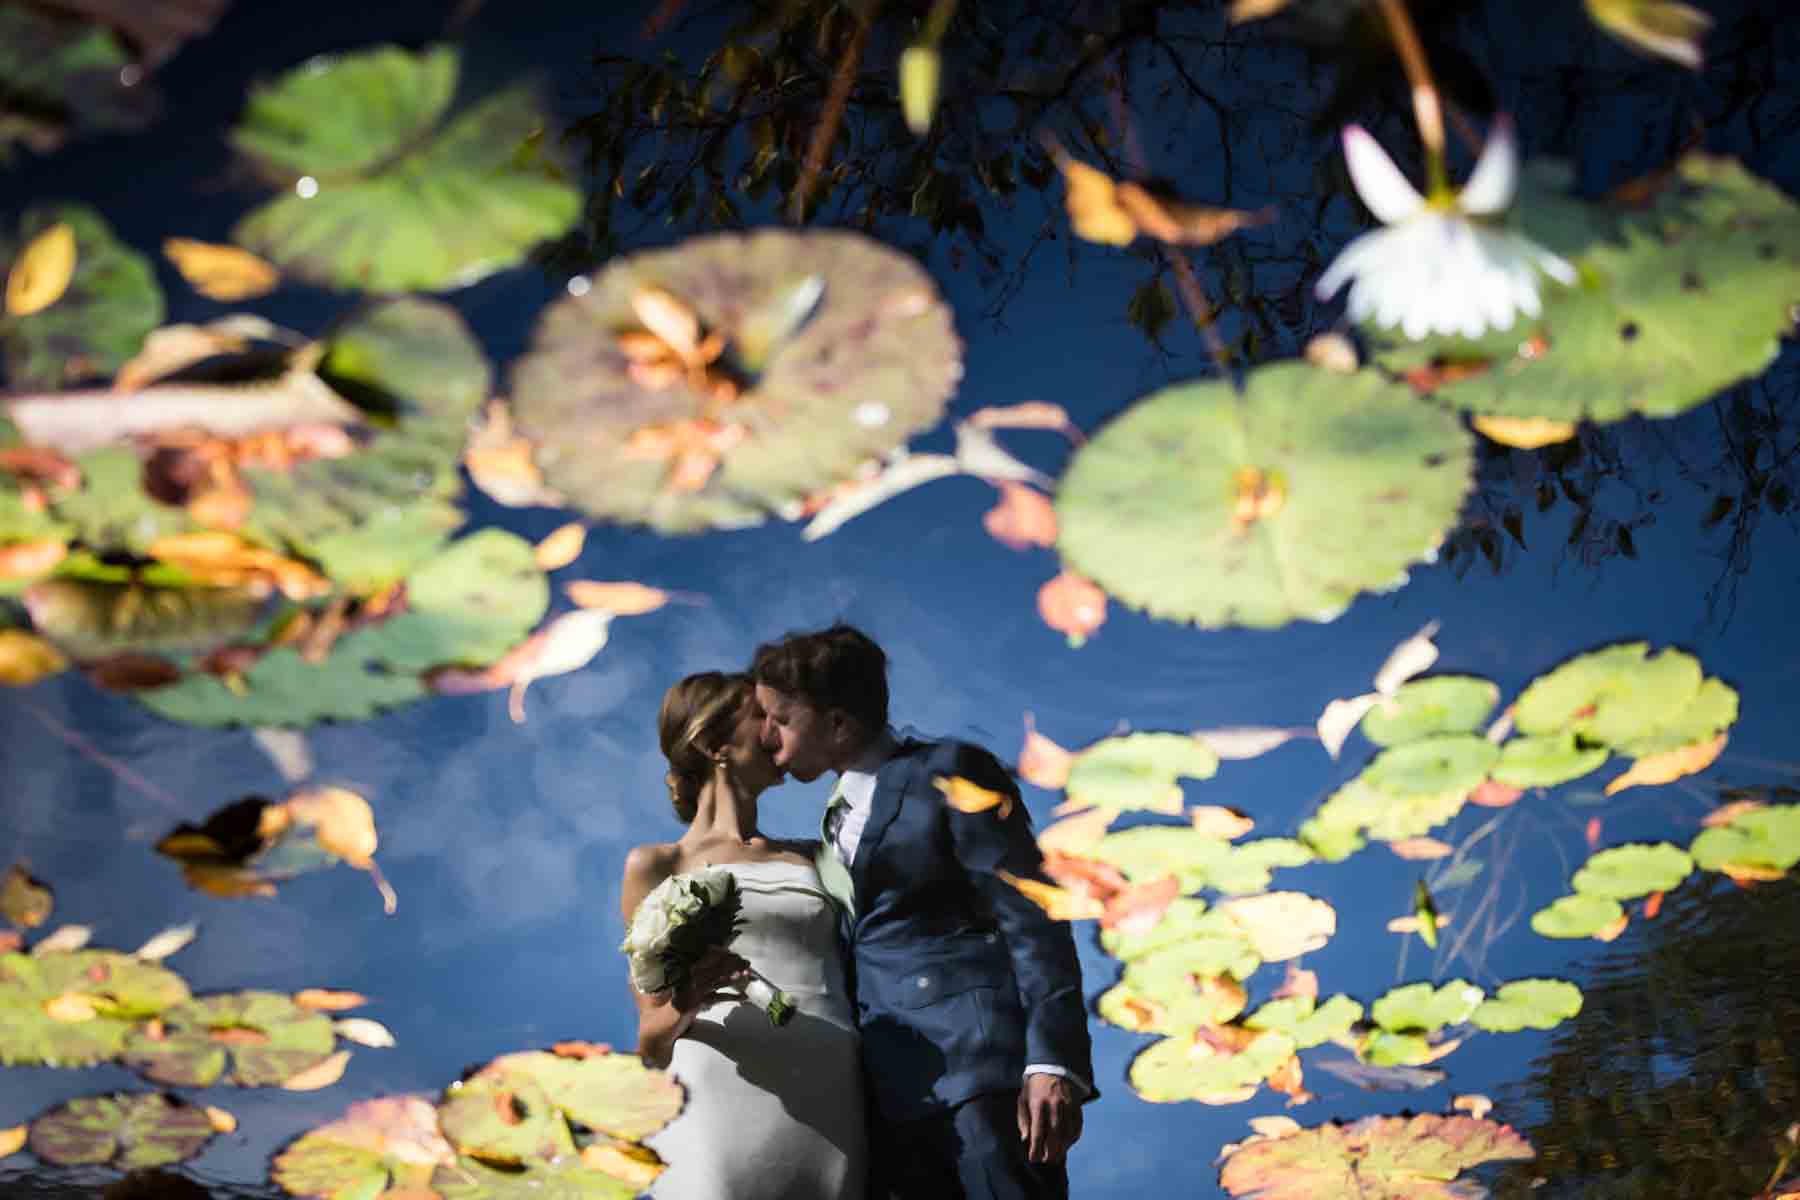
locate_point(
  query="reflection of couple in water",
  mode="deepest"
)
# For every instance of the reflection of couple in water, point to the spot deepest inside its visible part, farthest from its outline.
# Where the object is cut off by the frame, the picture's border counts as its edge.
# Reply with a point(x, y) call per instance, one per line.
point(939, 1048)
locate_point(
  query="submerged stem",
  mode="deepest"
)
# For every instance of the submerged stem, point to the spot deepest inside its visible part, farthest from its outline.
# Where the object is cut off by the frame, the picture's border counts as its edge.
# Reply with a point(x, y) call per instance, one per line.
point(1428, 108)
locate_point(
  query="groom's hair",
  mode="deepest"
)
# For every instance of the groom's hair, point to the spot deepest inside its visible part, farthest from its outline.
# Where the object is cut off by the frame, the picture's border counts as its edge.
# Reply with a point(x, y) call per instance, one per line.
point(840, 667)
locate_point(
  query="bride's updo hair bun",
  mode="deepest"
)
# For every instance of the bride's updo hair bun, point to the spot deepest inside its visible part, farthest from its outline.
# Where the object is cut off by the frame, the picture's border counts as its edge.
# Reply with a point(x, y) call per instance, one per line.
point(696, 721)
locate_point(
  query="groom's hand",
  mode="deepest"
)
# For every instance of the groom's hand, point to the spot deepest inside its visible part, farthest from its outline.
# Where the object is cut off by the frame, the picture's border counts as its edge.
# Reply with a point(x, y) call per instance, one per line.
point(1049, 1117)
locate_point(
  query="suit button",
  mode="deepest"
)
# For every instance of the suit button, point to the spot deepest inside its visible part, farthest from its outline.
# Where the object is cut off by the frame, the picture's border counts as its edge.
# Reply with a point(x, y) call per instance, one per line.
point(923, 981)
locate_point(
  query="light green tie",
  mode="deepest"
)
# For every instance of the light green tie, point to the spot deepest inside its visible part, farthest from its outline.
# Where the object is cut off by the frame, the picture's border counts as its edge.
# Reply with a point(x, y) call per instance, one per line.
point(833, 875)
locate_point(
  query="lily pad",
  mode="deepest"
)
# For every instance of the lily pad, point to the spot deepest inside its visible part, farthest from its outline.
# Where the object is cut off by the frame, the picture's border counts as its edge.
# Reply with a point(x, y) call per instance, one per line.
point(1766, 837)
point(1177, 1005)
point(1138, 770)
point(118, 991)
point(1672, 305)
point(111, 510)
point(250, 1038)
point(1183, 1068)
point(1305, 1020)
point(1546, 760)
point(378, 194)
point(126, 1130)
point(1528, 1004)
point(1358, 806)
point(1432, 766)
point(60, 76)
point(1424, 708)
point(1387, 1048)
point(471, 1179)
point(612, 1094)
point(504, 1120)
point(1283, 502)
point(112, 302)
point(1208, 954)
point(1198, 860)
point(1610, 696)
point(872, 365)
point(390, 1141)
point(1576, 916)
point(1422, 1007)
point(1626, 872)
point(1713, 708)
point(1376, 1158)
point(89, 619)
point(1180, 921)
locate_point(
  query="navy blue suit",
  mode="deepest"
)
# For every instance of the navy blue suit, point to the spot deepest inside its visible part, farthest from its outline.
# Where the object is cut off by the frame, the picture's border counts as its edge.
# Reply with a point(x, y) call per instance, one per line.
point(960, 981)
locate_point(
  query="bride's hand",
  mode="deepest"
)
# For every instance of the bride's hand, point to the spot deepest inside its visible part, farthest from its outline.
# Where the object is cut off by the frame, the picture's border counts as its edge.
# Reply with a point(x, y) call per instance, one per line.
point(709, 980)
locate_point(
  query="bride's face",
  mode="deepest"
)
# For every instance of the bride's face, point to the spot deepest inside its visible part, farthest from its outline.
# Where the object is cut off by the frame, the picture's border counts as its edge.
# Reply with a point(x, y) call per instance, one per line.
point(751, 764)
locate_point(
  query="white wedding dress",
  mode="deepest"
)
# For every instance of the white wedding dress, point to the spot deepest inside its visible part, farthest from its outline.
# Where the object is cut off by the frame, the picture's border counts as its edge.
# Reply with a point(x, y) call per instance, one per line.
point(772, 1113)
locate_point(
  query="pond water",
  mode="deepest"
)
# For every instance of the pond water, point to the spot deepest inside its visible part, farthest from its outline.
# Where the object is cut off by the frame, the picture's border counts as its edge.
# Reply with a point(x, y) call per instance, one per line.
point(503, 840)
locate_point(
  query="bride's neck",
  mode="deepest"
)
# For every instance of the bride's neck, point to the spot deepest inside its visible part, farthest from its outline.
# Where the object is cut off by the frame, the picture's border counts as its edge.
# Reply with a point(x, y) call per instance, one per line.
point(726, 811)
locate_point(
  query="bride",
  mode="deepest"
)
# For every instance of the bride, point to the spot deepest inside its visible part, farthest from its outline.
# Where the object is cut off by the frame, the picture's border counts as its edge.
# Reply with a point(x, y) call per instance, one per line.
point(771, 1112)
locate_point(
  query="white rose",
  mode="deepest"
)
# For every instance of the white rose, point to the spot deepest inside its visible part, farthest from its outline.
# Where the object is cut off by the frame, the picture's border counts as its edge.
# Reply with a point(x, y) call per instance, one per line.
point(715, 884)
point(648, 975)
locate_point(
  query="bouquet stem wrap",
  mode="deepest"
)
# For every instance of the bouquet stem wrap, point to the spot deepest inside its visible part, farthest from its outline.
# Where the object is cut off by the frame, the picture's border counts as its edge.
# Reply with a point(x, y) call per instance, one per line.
point(674, 927)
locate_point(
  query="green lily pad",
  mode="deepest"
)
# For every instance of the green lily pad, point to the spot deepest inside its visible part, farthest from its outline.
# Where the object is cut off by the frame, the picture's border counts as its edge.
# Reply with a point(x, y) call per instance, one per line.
point(1626, 872)
point(1249, 867)
point(1359, 806)
point(1766, 837)
point(504, 1120)
point(1163, 974)
point(1154, 508)
point(1376, 1158)
point(1546, 760)
point(872, 366)
point(111, 510)
point(112, 302)
point(1610, 696)
point(1713, 708)
point(1386, 1048)
point(20, 522)
point(1339, 835)
point(1176, 1008)
point(250, 1038)
point(1576, 916)
point(126, 1130)
point(1198, 860)
point(1672, 305)
point(389, 1141)
point(1528, 1004)
point(87, 619)
point(1180, 921)
point(60, 76)
point(1308, 1023)
point(1425, 708)
point(1424, 1008)
point(612, 1094)
point(396, 201)
point(282, 689)
point(121, 990)
point(1175, 1069)
point(1138, 770)
point(471, 1179)
point(1432, 766)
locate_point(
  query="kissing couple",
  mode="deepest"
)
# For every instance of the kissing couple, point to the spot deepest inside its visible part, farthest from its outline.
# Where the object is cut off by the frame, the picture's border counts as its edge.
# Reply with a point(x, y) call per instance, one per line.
point(939, 1046)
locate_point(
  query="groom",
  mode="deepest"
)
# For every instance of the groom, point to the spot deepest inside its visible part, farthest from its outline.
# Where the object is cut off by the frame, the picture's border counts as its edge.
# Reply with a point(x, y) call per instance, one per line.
point(968, 997)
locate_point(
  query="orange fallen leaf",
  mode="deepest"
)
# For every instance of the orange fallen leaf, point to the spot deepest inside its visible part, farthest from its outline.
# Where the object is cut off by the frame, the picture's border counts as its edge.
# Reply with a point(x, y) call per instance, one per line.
point(627, 1161)
point(26, 658)
point(1088, 876)
point(12, 1140)
point(622, 597)
point(1670, 766)
point(1093, 204)
point(227, 560)
point(1032, 414)
point(1072, 605)
point(1592, 832)
point(1023, 518)
point(344, 821)
point(1745, 874)
point(27, 560)
point(1059, 903)
point(131, 672)
point(1434, 375)
point(1214, 820)
point(1140, 907)
point(1417, 849)
point(1526, 433)
point(10, 941)
point(966, 796)
point(1614, 929)
point(499, 461)
point(1077, 834)
point(1441, 1050)
point(562, 547)
point(1298, 982)
point(1041, 761)
point(220, 1120)
point(1652, 905)
point(1491, 793)
point(226, 273)
point(328, 1000)
point(1726, 814)
point(1289, 1080)
point(320, 1075)
point(580, 1049)
point(71, 1008)
point(1476, 1105)
point(42, 272)
point(1332, 352)
point(1181, 224)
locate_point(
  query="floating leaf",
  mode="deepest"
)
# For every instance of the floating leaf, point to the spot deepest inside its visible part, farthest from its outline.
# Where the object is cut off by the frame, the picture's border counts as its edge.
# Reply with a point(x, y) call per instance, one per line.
point(1042, 762)
point(328, 1000)
point(1171, 1002)
point(1544, 761)
point(1766, 838)
point(1493, 793)
point(322, 1074)
point(1577, 917)
point(1421, 849)
point(1526, 433)
point(1188, 1068)
point(1245, 741)
point(1428, 707)
point(122, 991)
point(12, 1140)
point(166, 943)
point(94, 620)
point(1309, 1024)
point(363, 1032)
point(562, 546)
point(1372, 479)
point(249, 845)
point(1023, 518)
point(24, 900)
point(499, 461)
point(1416, 1157)
point(1422, 1007)
point(1669, 765)
point(1152, 851)
point(221, 272)
point(1431, 766)
point(1282, 925)
point(126, 1130)
point(621, 598)
point(41, 272)
point(1332, 352)
point(1386, 1048)
point(221, 1120)
point(1410, 657)
point(1627, 872)
point(517, 1109)
point(251, 1038)
point(920, 66)
point(1215, 821)
point(65, 940)
point(1073, 605)
point(851, 499)
point(1527, 1004)
point(1712, 710)
point(390, 1141)
point(1341, 716)
point(1663, 28)
point(1611, 695)
point(1139, 771)
point(1059, 903)
point(1113, 214)
point(97, 322)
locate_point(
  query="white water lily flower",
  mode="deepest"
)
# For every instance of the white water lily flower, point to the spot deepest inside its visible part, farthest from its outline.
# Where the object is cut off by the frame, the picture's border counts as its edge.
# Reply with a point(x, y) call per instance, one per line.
point(1438, 266)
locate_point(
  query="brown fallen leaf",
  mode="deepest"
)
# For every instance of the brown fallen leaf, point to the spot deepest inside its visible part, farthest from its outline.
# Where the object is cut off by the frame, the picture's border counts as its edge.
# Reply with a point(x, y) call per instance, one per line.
point(1290, 1081)
point(1669, 766)
point(28, 560)
point(1077, 834)
point(627, 1161)
point(966, 796)
point(1042, 762)
point(1298, 982)
point(12, 1140)
point(1061, 904)
point(25, 901)
point(1178, 223)
point(1093, 204)
point(1073, 605)
point(225, 273)
point(1475, 1104)
point(499, 460)
point(42, 272)
point(562, 547)
point(131, 672)
point(320, 1075)
point(620, 597)
point(1216, 821)
point(328, 1000)
point(1417, 849)
point(1491, 793)
point(227, 560)
point(1526, 433)
point(26, 658)
point(1429, 378)
point(220, 1120)
point(1023, 518)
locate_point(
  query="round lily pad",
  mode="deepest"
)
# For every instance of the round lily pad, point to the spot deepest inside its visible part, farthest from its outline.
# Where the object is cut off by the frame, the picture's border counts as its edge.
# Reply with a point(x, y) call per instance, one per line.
point(111, 510)
point(112, 302)
point(1546, 760)
point(37, 1026)
point(1576, 916)
point(1166, 972)
point(1283, 502)
point(89, 619)
point(1198, 860)
point(1424, 1008)
point(1181, 920)
point(1335, 836)
point(1248, 868)
point(389, 1141)
point(471, 1179)
point(1387, 1048)
point(1528, 1004)
point(251, 1038)
point(1176, 1006)
point(378, 192)
point(1672, 304)
point(1138, 770)
point(1359, 806)
point(126, 1130)
point(1713, 708)
point(1626, 872)
point(613, 1094)
point(822, 390)
point(1387, 1157)
point(1178, 1068)
point(1427, 707)
point(1306, 1021)
point(1432, 766)
point(1610, 696)
point(1766, 837)
point(504, 1120)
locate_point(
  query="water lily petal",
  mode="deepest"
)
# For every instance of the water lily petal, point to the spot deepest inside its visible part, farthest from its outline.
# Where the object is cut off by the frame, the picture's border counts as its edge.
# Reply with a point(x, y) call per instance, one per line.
point(1378, 181)
point(1495, 180)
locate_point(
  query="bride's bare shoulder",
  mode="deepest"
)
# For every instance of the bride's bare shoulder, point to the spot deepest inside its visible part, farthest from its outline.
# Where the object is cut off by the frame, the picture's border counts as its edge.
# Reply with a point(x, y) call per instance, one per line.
point(652, 862)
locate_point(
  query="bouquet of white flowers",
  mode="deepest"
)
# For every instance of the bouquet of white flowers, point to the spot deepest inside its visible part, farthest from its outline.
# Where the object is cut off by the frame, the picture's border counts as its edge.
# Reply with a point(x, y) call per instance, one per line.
point(682, 918)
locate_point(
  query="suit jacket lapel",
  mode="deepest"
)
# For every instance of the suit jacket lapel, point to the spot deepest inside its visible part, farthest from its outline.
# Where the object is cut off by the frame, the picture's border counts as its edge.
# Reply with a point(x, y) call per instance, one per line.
point(890, 784)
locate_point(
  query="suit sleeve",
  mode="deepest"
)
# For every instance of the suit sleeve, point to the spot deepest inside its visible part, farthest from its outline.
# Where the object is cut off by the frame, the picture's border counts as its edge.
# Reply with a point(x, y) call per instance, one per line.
point(1045, 965)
